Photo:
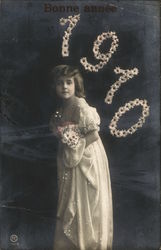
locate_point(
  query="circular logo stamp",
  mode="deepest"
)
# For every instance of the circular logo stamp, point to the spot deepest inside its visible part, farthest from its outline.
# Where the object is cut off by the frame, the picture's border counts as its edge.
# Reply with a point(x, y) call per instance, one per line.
point(13, 238)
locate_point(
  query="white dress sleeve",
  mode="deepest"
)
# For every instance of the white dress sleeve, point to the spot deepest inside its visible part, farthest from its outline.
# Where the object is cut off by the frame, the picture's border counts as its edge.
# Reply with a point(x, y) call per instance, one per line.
point(89, 119)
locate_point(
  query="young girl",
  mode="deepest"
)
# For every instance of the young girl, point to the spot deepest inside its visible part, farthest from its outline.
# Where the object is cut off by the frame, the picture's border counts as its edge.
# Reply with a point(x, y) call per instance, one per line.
point(84, 213)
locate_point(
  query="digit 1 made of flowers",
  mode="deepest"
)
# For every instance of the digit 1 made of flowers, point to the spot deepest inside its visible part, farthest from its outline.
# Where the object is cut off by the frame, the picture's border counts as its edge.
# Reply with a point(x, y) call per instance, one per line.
point(72, 23)
point(125, 76)
point(122, 110)
point(102, 57)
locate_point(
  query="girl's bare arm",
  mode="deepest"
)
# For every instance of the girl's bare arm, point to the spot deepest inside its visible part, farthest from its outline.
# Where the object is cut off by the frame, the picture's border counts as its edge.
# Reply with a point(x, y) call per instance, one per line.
point(91, 137)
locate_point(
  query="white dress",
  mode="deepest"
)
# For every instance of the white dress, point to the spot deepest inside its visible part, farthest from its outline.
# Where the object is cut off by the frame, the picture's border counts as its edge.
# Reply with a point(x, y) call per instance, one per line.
point(84, 214)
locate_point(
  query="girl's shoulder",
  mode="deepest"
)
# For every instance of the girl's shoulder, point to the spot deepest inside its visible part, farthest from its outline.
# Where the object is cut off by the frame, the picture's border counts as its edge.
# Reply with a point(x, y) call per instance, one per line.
point(84, 109)
point(83, 105)
point(81, 102)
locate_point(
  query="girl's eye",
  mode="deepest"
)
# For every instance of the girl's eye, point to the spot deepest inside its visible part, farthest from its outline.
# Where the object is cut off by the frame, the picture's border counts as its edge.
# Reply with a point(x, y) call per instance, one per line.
point(69, 81)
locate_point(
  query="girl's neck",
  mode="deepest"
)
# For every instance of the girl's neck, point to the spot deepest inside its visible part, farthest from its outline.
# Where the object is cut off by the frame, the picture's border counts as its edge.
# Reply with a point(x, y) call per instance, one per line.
point(68, 102)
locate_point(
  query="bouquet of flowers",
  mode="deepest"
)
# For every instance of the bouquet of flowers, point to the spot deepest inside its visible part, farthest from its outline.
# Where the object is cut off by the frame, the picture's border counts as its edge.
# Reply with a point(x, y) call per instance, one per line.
point(69, 134)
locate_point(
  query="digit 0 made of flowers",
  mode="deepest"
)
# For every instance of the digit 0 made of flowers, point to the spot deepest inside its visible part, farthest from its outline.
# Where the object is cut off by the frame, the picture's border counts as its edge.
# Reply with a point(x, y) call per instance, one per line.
point(121, 111)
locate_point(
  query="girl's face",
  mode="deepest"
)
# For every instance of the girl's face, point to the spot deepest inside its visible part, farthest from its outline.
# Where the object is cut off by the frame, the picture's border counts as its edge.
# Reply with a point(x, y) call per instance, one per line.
point(65, 87)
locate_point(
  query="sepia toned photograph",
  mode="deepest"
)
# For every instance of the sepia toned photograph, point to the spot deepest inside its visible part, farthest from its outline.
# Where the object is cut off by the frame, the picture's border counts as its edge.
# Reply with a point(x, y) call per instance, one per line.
point(80, 125)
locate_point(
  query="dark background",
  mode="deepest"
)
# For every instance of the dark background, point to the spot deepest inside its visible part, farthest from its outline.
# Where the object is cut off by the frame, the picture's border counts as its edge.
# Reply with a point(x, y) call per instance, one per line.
point(30, 44)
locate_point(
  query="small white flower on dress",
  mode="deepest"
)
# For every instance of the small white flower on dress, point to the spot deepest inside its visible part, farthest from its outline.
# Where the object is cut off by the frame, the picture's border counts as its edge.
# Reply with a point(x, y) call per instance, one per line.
point(67, 232)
